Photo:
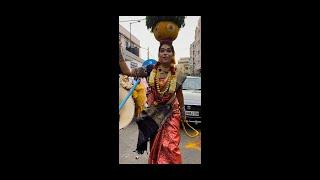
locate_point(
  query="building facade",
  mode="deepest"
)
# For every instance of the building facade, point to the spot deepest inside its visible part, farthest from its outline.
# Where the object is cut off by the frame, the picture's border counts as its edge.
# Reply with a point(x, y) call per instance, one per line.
point(195, 52)
point(184, 65)
point(131, 50)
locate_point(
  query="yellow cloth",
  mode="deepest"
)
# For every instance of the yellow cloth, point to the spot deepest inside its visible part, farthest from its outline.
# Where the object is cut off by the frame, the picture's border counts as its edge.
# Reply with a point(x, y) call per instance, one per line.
point(140, 98)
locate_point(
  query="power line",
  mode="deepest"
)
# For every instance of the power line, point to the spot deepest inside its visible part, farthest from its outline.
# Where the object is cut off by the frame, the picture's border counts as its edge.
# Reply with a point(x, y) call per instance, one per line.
point(133, 20)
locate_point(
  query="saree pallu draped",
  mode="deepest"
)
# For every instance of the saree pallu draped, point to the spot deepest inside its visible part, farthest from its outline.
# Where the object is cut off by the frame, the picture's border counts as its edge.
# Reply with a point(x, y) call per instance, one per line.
point(164, 147)
point(160, 124)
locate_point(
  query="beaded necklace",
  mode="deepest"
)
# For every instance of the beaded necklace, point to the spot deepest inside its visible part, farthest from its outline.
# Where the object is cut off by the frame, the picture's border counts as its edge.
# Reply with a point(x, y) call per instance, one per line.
point(170, 85)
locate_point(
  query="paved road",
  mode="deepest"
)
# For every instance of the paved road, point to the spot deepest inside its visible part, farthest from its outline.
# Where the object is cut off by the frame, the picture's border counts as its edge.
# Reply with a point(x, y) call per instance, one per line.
point(190, 147)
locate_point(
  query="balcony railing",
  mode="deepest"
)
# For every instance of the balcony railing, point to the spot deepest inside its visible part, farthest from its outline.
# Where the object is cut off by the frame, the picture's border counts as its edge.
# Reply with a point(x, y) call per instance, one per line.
point(133, 50)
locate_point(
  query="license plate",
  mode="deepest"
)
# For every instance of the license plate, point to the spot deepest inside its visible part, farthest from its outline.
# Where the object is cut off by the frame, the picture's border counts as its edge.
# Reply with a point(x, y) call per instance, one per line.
point(192, 113)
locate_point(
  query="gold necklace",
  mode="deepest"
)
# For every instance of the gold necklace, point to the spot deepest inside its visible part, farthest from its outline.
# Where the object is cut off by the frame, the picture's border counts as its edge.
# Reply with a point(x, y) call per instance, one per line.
point(168, 80)
point(153, 78)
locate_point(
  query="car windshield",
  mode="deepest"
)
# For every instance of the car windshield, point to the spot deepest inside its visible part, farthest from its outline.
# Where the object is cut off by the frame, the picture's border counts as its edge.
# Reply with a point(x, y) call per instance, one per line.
point(193, 83)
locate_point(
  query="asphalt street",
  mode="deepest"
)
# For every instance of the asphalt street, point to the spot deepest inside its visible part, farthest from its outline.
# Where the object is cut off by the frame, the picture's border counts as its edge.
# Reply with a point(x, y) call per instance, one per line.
point(128, 137)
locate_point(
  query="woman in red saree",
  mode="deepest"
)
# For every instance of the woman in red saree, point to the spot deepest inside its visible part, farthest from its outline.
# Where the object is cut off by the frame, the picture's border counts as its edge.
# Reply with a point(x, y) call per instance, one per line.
point(165, 91)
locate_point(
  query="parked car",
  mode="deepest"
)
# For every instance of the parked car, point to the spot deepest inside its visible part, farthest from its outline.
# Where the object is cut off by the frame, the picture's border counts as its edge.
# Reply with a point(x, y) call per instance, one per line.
point(192, 98)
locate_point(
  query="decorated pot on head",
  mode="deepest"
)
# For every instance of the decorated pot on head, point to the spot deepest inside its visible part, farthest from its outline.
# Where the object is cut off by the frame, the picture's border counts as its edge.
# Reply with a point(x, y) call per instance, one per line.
point(165, 28)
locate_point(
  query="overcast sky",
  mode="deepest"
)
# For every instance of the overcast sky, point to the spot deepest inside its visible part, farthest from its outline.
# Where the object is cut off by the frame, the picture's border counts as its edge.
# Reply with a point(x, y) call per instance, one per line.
point(147, 39)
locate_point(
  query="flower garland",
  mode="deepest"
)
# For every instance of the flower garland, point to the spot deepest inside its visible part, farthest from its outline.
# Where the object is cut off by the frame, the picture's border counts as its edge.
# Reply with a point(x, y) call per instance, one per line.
point(173, 83)
point(170, 85)
point(168, 79)
point(152, 76)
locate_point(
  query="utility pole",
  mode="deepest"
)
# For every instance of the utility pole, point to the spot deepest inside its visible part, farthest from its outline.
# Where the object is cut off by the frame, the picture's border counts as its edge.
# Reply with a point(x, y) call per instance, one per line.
point(130, 30)
point(146, 49)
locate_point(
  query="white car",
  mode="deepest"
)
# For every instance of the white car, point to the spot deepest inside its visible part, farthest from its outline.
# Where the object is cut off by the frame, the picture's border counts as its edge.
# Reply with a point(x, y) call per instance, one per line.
point(192, 98)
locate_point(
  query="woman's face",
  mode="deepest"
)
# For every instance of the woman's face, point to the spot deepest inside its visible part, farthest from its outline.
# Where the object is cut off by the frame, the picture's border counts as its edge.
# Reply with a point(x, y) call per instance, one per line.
point(165, 54)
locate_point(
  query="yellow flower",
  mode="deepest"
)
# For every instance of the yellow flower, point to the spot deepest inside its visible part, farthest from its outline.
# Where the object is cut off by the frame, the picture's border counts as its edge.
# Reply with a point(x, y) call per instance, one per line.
point(139, 97)
point(151, 77)
point(173, 84)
